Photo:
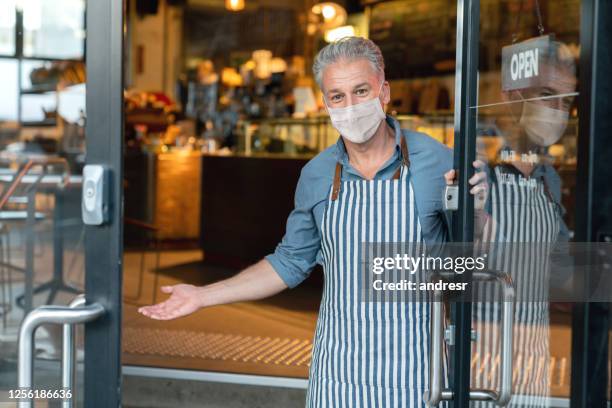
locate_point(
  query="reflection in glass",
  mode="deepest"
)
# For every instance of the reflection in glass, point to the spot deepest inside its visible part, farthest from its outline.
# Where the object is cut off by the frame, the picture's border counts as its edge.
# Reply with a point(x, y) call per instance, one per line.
point(527, 128)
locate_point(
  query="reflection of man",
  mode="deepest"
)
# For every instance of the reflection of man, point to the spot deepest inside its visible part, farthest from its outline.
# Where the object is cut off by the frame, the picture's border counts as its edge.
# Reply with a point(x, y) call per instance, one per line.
point(523, 222)
point(378, 183)
point(545, 110)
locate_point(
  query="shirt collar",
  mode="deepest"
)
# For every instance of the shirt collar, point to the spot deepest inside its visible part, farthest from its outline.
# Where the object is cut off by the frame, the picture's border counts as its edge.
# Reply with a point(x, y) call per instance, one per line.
point(342, 155)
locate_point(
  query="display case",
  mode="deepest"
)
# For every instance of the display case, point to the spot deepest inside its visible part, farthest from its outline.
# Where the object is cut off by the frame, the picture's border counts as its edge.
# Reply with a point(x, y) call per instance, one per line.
point(309, 136)
point(287, 135)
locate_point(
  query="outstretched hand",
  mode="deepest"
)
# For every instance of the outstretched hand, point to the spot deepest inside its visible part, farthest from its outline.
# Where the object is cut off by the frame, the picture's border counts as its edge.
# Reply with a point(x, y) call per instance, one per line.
point(184, 299)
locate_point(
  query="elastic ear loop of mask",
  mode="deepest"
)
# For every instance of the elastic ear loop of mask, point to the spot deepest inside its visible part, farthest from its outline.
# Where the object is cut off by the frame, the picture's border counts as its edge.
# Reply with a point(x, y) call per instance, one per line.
point(518, 122)
point(510, 109)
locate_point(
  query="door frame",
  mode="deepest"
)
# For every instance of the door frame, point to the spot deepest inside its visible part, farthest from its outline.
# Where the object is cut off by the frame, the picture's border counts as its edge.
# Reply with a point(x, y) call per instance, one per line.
point(466, 95)
point(104, 244)
point(591, 321)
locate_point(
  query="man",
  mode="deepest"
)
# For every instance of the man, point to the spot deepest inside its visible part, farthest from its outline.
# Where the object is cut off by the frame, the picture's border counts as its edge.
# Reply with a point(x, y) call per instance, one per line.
point(378, 183)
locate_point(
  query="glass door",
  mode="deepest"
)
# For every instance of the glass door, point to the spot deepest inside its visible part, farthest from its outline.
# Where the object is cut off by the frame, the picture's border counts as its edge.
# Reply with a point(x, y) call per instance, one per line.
point(525, 116)
point(61, 68)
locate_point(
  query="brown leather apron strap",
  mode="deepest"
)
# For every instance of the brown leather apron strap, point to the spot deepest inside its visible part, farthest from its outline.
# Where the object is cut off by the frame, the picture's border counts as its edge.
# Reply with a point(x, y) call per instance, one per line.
point(336, 185)
point(405, 159)
point(396, 175)
point(404, 150)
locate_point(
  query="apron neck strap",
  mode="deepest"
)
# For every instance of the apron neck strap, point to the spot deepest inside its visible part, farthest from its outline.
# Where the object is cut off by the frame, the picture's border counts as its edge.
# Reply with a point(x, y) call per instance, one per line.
point(396, 175)
point(404, 150)
point(336, 185)
point(405, 159)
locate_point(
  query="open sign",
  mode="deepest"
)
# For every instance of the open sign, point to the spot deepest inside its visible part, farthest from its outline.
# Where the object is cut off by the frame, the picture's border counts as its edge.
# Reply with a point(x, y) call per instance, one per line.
point(524, 64)
point(521, 63)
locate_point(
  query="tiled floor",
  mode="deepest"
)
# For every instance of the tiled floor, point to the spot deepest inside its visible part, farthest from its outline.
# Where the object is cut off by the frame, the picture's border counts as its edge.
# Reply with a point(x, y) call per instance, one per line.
point(268, 337)
point(271, 337)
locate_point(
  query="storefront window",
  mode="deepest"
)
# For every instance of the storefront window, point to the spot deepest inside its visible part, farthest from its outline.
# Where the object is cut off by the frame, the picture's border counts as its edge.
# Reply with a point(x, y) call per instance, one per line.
point(7, 27)
point(42, 153)
point(8, 102)
point(54, 29)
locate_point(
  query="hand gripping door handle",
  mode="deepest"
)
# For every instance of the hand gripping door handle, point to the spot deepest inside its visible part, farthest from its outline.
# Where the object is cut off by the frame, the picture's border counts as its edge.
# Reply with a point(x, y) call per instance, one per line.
point(436, 392)
point(73, 314)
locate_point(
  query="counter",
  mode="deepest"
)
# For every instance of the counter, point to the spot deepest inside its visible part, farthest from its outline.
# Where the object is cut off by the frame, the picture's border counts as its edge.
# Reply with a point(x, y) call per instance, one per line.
point(163, 189)
point(235, 205)
point(245, 203)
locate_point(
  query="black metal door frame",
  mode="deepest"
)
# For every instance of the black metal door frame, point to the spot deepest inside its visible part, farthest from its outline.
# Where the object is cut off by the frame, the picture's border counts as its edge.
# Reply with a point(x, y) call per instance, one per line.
point(466, 97)
point(104, 244)
point(591, 322)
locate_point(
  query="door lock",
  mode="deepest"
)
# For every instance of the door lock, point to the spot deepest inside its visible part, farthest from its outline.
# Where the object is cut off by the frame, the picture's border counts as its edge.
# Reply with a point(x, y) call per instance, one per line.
point(94, 201)
point(449, 335)
point(450, 201)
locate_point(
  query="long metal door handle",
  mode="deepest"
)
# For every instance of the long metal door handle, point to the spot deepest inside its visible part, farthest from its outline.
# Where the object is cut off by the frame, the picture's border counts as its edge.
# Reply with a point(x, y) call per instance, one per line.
point(501, 397)
point(42, 315)
point(69, 355)
point(437, 392)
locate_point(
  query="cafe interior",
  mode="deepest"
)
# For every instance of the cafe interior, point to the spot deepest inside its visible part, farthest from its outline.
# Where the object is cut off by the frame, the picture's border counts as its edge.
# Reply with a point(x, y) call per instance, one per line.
point(221, 113)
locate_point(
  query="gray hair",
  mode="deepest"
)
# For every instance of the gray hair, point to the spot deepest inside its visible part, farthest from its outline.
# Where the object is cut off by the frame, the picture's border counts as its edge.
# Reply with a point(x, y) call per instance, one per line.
point(560, 56)
point(350, 49)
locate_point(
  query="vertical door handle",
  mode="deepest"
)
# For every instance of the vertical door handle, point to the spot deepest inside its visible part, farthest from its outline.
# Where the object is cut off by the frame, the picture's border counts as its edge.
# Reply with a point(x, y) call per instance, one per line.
point(69, 355)
point(436, 392)
point(42, 315)
point(503, 395)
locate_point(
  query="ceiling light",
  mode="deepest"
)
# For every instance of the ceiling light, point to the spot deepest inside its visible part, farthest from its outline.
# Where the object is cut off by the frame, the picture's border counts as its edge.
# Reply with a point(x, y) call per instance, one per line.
point(331, 14)
point(234, 5)
point(328, 11)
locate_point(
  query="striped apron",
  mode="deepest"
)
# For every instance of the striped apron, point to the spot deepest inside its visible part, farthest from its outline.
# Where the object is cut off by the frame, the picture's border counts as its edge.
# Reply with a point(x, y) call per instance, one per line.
point(367, 354)
point(525, 221)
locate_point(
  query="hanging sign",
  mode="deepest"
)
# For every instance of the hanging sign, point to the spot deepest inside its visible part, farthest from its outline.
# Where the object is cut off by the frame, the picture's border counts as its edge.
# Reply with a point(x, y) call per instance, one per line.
point(522, 63)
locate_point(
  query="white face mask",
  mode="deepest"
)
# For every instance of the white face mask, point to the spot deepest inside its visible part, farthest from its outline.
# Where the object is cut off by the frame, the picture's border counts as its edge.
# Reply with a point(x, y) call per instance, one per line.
point(544, 125)
point(358, 122)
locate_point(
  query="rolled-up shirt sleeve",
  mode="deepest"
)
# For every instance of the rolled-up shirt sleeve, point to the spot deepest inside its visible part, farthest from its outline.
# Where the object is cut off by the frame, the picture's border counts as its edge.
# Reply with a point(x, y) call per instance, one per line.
point(296, 254)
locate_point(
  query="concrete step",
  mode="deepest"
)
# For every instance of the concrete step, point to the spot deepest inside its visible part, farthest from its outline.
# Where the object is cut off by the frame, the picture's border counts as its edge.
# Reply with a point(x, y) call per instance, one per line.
point(141, 392)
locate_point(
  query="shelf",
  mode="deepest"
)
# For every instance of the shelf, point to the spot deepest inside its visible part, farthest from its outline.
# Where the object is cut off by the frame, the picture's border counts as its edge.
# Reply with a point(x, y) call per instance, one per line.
point(41, 123)
point(38, 90)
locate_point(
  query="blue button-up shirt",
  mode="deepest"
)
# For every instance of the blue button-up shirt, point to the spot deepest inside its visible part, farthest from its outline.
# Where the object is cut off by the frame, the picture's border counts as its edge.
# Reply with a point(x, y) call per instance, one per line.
point(300, 248)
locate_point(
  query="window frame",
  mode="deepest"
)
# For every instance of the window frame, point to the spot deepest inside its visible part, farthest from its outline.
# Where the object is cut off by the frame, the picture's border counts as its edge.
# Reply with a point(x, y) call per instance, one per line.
point(20, 58)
